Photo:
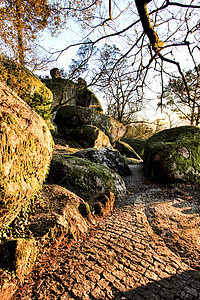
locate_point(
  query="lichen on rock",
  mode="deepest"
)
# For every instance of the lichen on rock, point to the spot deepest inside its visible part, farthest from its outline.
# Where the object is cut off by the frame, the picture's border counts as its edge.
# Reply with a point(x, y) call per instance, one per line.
point(108, 157)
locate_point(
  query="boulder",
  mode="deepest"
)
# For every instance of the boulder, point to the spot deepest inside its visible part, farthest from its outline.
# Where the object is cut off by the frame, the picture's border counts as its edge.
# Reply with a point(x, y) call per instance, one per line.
point(87, 180)
point(107, 157)
point(126, 149)
point(174, 154)
point(70, 117)
point(58, 215)
point(27, 86)
point(90, 136)
point(136, 144)
point(25, 153)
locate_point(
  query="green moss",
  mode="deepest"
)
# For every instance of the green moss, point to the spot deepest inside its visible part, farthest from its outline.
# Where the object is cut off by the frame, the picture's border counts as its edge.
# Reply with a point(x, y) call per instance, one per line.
point(18, 255)
point(81, 173)
point(20, 173)
point(28, 87)
point(174, 155)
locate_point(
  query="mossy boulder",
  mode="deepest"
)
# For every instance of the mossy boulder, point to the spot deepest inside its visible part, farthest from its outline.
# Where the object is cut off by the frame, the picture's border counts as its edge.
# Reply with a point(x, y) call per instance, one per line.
point(27, 86)
point(90, 136)
point(136, 144)
point(107, 157)
point(87, 180)
point(127, 150)
point(25, 153)
point(70, 117)
point(174, 155)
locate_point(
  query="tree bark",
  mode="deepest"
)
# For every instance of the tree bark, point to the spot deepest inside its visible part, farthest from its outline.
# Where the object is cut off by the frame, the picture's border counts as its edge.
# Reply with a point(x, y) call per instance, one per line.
point(19, 29)
point(146, 24)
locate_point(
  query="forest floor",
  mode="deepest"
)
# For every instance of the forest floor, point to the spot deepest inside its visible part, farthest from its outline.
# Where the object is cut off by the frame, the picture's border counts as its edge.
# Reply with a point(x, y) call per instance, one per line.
point(148, 248)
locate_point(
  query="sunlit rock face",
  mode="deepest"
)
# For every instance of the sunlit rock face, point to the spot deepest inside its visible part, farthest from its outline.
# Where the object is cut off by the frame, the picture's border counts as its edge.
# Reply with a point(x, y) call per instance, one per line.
point(174, 155)
point(25, 153)
point(90, 136)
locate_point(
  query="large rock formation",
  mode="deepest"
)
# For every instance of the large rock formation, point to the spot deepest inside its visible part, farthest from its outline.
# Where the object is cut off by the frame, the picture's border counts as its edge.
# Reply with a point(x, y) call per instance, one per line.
point(87, 180)
point(107, 157)
point(27, 86)
point(70, 117)
point(174, 154)
point(67, 92)
point(25, 153)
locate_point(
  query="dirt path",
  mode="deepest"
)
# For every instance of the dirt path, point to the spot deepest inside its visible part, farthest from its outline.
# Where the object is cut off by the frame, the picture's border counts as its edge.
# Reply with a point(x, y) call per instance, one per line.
point(147, 249)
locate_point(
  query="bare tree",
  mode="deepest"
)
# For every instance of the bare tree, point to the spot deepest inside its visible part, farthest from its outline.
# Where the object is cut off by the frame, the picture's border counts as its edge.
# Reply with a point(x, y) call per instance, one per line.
point(118, 85)
point(22, 22)
point(154, 35)
point(175, 97)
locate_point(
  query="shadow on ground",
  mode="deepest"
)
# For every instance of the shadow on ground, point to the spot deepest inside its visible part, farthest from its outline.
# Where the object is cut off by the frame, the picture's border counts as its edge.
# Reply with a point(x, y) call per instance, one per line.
point(183, 286)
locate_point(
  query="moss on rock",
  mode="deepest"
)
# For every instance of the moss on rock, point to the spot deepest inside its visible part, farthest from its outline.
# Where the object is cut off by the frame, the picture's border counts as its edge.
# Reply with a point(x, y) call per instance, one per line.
point(107, 157)
point(27, 86)
point(25, 153)
point(84, 178)
point(18, 255)
point(173, 154)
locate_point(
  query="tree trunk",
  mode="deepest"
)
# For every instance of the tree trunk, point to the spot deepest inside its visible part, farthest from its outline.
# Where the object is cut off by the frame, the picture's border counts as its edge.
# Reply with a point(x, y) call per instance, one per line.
point(19, 29)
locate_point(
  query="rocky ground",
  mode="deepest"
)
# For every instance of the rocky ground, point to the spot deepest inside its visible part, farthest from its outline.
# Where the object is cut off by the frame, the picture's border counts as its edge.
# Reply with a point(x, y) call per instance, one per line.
point(147, 249)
